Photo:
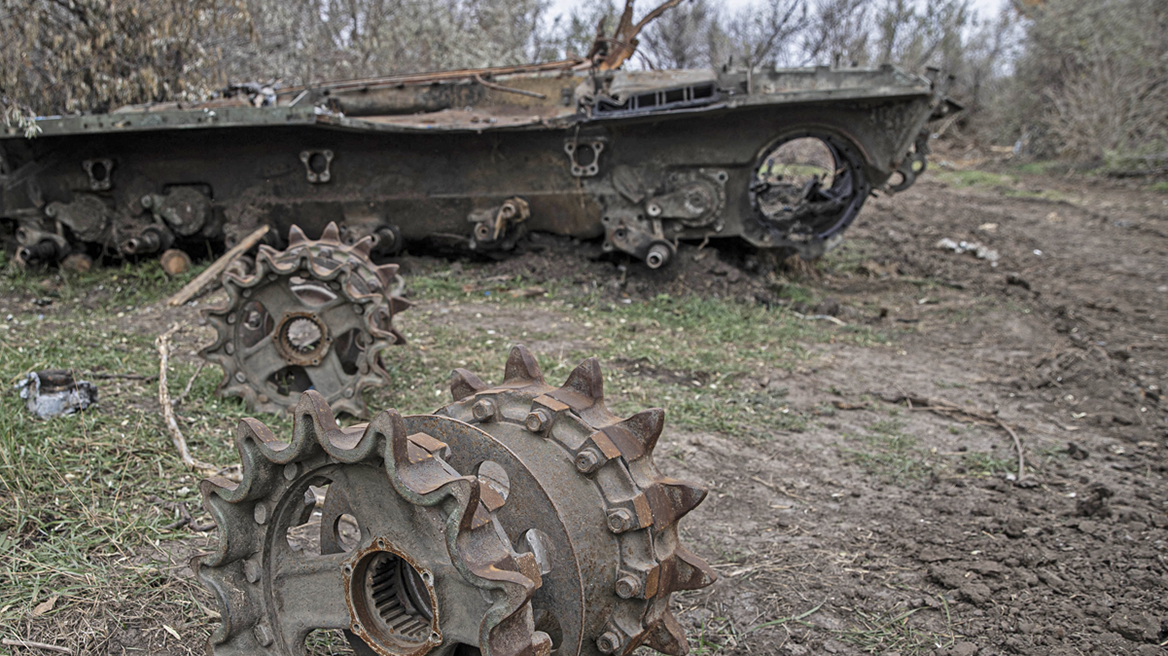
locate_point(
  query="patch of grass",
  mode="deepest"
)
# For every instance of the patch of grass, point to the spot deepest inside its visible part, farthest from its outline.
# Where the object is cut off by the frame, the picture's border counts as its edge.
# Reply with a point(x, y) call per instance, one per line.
point(1161, 187)
point(848, 255)
point(885, 632)
point(890, 453)
point(986, 464)
point(1041, 194)
point(1039, 168)
point(715, 635)
point(975, 178)
point(77, 508)
point(125, 287)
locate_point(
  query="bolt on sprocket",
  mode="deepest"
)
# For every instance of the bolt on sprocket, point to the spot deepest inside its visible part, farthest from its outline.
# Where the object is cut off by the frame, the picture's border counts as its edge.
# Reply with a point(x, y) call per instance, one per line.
point(316, 315)
point(518, 520)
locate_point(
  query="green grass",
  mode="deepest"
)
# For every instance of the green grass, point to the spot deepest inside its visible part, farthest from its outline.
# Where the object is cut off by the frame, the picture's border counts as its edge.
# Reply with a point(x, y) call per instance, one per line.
point(690, 355)
point(1039, 168)
point(78, 514)
point(888, 452)
point(75, 489)
point(986, 464)
point(881, 633)
point(128, 286)
point(974, 178)
point(1161, 187)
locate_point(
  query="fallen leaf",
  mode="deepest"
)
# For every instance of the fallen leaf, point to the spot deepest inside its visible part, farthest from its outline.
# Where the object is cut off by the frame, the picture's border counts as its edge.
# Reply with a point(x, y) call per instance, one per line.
point(172, 632)
point(45, 606)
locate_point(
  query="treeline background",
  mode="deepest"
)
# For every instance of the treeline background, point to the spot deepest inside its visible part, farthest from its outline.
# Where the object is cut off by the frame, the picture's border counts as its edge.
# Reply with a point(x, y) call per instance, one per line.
point(1085, 80)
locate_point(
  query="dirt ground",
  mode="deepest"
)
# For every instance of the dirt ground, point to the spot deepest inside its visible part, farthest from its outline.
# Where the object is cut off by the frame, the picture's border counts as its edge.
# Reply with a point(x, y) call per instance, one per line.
point(1065, 341)
point(1057, 333)
point(895, 520)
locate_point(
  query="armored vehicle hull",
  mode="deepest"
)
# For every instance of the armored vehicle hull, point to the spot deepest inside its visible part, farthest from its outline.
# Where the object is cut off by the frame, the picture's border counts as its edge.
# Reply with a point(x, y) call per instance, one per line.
point(780, 158)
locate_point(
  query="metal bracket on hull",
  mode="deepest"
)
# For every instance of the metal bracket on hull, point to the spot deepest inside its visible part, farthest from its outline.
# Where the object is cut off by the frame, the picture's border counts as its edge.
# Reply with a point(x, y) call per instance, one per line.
point(588, 165)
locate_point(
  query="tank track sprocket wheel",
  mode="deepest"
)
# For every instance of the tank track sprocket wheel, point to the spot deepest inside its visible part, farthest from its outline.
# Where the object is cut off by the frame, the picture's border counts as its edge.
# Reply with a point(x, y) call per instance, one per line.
point(317, 315)
point(566, 528)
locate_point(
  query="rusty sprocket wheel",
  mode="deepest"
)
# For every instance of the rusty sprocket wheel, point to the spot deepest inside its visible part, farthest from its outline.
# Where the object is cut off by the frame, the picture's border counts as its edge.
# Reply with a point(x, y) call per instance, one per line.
point(316, 315)
point(520, 519)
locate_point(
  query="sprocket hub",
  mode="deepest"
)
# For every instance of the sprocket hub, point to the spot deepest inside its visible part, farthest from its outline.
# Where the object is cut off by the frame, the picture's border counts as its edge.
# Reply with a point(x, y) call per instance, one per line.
point(314, 316)
point(520, 519)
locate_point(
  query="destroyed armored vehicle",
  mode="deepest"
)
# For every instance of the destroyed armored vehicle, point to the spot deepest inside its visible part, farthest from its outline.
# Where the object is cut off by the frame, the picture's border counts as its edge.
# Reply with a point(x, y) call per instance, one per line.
point(778, 158)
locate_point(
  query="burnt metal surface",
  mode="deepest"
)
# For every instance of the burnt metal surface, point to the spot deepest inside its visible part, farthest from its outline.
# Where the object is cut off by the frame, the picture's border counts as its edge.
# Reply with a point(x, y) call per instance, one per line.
point(314, 316)
point(638, 159)
point(521, 519)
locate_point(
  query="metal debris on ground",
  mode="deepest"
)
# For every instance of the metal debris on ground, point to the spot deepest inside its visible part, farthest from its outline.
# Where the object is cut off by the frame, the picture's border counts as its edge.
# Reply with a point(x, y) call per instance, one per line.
point(54, 392)
point(982, 252)
point(637, 160)
point(519, 520)
point(314, 316)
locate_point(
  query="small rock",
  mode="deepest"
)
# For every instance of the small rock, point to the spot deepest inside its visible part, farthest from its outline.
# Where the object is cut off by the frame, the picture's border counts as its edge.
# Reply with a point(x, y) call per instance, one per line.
point(1137, 627)
point(1015, 528)
point(964, 649)
point(975, 593)
point(947, 577)
point(1094, 502)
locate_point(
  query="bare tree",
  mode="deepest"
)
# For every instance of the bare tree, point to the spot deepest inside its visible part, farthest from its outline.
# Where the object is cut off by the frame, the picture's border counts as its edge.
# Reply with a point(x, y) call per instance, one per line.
point(680, 38)
point(762, 33)
point(61, 57)
point(838, 30)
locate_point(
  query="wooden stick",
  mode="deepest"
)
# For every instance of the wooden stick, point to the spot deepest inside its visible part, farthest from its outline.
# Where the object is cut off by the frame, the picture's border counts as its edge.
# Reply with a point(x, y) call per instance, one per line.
point(1017, 445)
point(9, 642)
point(190, 383)
point(971, 415)
point(213, 272)
point(176, 436)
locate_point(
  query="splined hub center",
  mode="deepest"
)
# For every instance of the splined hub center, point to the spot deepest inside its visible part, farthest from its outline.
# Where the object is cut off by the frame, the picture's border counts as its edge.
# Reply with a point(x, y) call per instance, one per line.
point(522, 519)
point(304, 335)
point(302, 338)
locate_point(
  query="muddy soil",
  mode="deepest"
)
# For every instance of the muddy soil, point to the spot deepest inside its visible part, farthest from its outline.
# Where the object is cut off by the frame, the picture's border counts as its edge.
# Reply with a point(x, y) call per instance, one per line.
point(831, 541)
point(898, 522)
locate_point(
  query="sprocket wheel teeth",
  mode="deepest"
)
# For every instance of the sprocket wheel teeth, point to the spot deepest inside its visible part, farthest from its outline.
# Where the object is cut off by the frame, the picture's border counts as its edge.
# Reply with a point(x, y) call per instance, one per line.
point(693, 573)
point(464, 384)
point(331, 232)
point(348, 272)
point(584, 387)
point(671, 499)
point(478, 548)
point(666, 636)
point(398, 338)
point(296, 237)
point(363, 247)
point(637, 436)
point(398, 304)
point(521, 368)
point(630, 443)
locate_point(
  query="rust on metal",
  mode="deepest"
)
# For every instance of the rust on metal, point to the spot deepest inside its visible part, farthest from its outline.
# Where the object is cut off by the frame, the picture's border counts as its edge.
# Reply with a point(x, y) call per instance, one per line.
point(315, 316)
point(638, 161)
point(457, 532)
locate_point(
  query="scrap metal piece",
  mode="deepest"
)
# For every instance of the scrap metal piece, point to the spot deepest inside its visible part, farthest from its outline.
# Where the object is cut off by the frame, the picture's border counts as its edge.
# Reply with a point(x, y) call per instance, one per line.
point(404, 553)
point(185, 209)
point(521, 519)
point(315, 316)
point(578, 140)
point(35, 247)
point(54, 392)
point(499, 227)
